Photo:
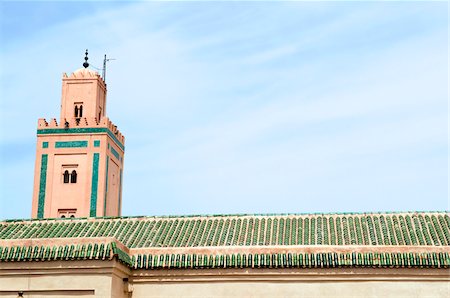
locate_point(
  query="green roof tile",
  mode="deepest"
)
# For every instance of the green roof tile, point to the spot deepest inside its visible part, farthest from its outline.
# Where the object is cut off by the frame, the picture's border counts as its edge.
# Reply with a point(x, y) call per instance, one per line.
point(370, 229)
point(428, 229)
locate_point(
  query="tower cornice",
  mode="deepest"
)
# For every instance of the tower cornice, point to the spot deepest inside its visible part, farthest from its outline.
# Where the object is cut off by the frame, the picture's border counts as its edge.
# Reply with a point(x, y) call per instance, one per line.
point(83, 125)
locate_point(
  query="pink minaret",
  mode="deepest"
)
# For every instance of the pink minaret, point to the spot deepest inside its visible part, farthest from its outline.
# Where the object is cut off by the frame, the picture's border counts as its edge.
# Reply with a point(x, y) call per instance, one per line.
point(79, 161)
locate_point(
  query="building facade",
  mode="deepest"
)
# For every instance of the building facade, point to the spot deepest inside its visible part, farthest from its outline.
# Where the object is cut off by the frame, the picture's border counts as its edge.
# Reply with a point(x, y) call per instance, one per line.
point(309, 255)
point(79, 160)
point(77, 244)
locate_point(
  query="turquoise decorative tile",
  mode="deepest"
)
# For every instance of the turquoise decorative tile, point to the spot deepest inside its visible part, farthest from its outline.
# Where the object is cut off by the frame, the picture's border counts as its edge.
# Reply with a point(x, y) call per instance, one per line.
point(71, 144)
point(42, 185)
point(44, 144)
point(97, 143)
point(106, 186)
point(94, 187)
point(120, 193)
point(50, 131)
point(115, 153)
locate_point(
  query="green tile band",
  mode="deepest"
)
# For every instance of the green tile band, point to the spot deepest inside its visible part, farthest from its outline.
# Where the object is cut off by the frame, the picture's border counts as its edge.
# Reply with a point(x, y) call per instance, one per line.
point(94, 187)
point(42, 185)
point(106, 186)
point(71, 144)
point(115, 153)
point(95, 250)
point(50, 131)
point(120, 193)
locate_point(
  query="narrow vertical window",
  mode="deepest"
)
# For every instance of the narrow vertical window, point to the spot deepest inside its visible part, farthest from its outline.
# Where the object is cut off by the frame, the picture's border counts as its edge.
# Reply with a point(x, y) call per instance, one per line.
point(66, 176)
point(76, 111)
point(81, 111)
point(73, 177)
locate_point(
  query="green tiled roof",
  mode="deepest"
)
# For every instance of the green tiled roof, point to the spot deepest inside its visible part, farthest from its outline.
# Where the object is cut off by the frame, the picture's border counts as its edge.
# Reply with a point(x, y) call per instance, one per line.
point(94, 251)
point(88, 251)
point(246, 230)
point(383, 239)
point(290, 260)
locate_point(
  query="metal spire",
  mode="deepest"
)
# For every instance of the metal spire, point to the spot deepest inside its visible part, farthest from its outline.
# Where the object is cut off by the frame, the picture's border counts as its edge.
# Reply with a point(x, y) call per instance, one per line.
point(86, 64)
point(104, 66)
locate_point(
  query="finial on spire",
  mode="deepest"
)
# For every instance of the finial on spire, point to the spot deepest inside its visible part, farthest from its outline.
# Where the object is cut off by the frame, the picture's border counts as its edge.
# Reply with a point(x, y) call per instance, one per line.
point(86, 64)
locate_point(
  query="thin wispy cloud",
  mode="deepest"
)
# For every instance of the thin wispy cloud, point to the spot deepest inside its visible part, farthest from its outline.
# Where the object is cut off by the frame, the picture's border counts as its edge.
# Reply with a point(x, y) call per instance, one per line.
point(238, 107)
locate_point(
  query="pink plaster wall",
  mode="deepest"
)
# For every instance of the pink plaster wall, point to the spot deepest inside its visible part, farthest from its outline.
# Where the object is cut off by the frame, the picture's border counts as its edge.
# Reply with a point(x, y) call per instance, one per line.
point(88, 86)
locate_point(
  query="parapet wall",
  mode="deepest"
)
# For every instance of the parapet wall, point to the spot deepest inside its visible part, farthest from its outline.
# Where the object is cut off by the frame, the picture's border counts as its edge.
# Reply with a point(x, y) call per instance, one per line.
point(83, 73)
point(68, 123)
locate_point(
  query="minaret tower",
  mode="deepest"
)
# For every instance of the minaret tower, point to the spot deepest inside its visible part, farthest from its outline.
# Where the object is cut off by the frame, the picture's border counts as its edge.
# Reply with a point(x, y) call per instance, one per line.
point(79, 161)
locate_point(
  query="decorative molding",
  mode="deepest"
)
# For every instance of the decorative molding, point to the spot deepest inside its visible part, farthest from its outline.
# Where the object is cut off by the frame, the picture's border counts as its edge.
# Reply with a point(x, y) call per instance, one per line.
point(94, 187)
point(115, 153)
point(106, 186)
point(42, 185)
point(83, 130)
point(71, 144)
point(120, 193)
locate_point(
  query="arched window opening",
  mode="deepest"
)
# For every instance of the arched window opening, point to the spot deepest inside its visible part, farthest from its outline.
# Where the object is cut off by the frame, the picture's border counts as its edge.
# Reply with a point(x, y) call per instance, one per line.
point(76, 111)
point(67, 213)
point(81, 111)
point(73, 177)
point(66, 176)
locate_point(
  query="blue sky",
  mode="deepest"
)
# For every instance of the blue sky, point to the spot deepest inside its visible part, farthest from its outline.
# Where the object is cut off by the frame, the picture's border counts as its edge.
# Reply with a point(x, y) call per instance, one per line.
point(242, 107)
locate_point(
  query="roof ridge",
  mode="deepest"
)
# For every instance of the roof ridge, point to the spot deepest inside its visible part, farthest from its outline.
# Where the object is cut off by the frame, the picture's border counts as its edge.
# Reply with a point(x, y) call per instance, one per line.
point(226, 215)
